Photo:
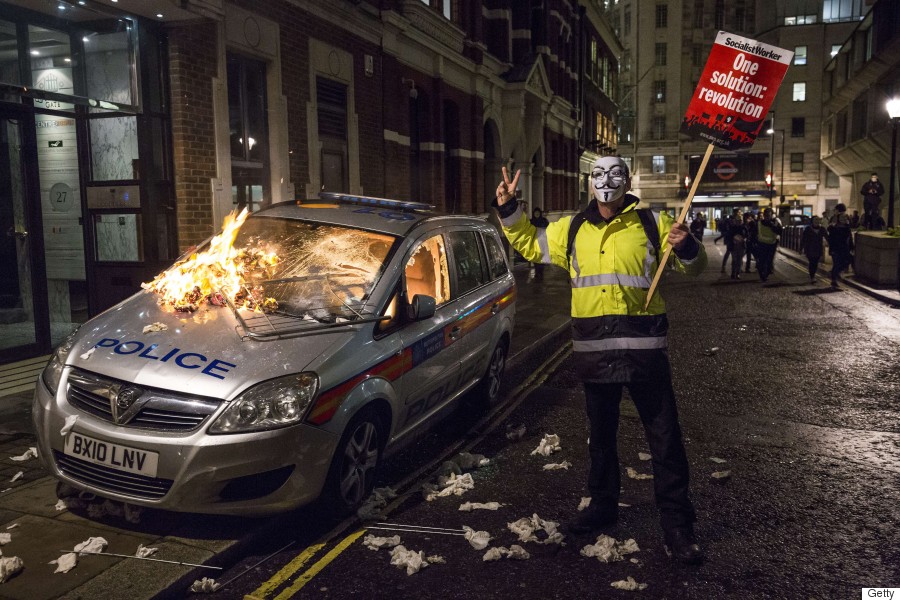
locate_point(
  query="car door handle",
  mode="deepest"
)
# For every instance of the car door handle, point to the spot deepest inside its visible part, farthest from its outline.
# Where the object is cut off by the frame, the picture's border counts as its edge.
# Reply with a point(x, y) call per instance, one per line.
point(454, 333)
point(495, 308)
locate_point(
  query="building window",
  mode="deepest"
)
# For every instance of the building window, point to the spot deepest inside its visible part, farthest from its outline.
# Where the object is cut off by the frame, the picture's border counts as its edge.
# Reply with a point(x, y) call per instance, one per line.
point(659, 93)
point(796, 162)
point(859, 117)
point(590, 66)
point(662, 16)
point(842, 10)
point(800, 20)
point(331, 98)
point(659, 165)
point(720, 14)
point(835, 48)
point(831, 179)
point(441, 6)
point(659, 128)
point(248, 132)
point(798, 127)
point(697, 55)
point(800, 55)
point(799, 92)
point(626, 16)
point(661, 55)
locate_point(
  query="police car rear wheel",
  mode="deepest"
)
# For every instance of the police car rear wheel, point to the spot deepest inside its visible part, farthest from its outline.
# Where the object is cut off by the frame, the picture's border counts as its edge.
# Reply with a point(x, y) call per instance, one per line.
point(355, 462)
point(489, 388)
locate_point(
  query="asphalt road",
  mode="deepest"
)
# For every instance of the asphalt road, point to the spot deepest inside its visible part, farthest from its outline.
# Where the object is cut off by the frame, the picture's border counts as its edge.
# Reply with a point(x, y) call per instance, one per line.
point(794, 386)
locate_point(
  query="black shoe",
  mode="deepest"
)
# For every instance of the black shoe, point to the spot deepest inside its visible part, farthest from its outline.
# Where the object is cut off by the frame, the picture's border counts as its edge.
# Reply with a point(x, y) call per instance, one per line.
point(591, 520)
point(682, 546)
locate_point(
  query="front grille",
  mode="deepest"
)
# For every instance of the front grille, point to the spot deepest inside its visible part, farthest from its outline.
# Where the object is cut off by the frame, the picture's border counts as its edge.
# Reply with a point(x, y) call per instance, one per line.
point(112, 480)
point(155, 409)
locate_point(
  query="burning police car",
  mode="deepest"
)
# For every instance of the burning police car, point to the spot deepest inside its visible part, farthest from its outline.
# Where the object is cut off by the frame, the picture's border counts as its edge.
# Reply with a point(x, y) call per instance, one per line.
point(281, 361)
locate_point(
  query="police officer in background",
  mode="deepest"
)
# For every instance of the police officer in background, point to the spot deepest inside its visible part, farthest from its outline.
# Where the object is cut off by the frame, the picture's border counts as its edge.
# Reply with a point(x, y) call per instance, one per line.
point(610, 251)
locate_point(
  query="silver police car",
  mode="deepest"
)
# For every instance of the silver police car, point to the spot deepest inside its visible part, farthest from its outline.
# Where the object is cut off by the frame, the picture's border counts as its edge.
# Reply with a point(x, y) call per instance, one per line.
point(349, 326)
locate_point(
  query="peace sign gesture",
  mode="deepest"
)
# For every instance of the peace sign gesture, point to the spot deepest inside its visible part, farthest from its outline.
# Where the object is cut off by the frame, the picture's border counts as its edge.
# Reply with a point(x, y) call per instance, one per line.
point(507, 188)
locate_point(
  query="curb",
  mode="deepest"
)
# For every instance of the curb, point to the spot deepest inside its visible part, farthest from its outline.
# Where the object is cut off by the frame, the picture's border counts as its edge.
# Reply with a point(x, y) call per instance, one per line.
point(847, 281)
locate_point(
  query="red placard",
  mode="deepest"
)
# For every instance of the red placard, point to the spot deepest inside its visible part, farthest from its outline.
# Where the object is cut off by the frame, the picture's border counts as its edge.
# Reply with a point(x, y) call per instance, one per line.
point(734, 93)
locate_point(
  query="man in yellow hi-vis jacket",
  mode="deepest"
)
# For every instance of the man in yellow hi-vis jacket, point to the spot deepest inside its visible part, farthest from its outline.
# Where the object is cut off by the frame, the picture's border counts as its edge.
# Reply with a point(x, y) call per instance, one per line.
point(611, 251)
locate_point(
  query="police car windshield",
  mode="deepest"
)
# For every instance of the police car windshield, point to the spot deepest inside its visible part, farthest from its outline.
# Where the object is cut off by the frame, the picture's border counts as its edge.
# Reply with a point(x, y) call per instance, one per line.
point(323, 272)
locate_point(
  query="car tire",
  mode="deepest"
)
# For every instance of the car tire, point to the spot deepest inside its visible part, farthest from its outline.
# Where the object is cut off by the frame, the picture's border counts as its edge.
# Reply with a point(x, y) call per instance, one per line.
point(488, 390)
point(351, 477)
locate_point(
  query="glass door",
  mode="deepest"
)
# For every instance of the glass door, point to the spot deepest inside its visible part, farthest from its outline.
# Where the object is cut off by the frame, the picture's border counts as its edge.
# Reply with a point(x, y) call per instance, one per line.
point(24, 327)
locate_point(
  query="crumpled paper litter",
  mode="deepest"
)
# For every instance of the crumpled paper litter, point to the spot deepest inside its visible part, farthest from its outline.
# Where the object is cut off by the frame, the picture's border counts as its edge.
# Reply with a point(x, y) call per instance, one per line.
point(143, 551)
point(563, 466)
point(65, 563)
point(644, 456)
point(548, 445)
point(88, 354)
point(92, 544)
point(608, 549)
point(478, 539)
point(373, 542)
point(436, 559)
point(454, 485)
point(585, 502)
point(10, 567)
point(61, 505)
point(5, 538)
point(17, 476)
point(207, 585)
point(515, 431)
point(30, 453)
point(13, 526)
point(635, 475)
point(413, 561)
point(470, 506)
point(527, 529)
point(70, 422)
point(717, 460)
point(155, 327)
point(721, 476)
point(371, 508)
point(514, 552)
point(628, 584)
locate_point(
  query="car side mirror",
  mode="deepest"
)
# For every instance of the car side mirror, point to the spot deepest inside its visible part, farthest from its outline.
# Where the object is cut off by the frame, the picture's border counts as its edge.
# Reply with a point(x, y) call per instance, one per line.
point(422, 307)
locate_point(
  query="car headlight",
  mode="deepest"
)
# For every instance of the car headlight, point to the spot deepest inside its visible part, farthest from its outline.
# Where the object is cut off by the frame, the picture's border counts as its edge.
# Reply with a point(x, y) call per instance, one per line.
point(52, 373)
point(271, 404)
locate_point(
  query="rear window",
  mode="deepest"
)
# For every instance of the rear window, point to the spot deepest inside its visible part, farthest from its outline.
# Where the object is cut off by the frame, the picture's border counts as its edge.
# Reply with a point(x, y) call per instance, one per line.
point(496, 257)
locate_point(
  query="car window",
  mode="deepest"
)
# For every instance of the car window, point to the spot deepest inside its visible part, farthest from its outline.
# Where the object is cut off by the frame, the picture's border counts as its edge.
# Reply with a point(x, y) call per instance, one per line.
point(427, 273)
point(470, 271)
point(496, 258)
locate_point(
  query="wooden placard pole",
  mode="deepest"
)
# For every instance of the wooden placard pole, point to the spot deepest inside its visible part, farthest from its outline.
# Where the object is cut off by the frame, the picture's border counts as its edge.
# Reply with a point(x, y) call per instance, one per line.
point(681, 218)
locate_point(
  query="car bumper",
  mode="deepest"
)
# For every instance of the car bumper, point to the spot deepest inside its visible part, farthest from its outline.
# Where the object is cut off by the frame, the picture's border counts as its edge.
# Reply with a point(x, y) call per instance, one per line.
point(256, 473)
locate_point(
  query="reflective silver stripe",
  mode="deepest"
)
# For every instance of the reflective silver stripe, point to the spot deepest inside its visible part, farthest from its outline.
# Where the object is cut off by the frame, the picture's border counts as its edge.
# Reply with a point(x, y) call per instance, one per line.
point(544, 245)
point(622, 343)
point(638, 281)
point(513, 218)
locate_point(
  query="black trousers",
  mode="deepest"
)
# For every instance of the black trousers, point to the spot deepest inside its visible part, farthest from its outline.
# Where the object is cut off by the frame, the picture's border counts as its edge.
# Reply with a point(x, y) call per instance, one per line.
point(655, 404)
point(813, 265)
point(765, 259)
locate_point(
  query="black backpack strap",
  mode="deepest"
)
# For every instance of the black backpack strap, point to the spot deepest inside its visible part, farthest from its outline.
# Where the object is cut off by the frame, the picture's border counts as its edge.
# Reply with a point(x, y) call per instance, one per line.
point(574, 226)
point(650, 228)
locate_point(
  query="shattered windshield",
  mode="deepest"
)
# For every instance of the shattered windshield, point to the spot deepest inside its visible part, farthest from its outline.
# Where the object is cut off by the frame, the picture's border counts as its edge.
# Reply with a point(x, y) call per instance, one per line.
point(323, 272)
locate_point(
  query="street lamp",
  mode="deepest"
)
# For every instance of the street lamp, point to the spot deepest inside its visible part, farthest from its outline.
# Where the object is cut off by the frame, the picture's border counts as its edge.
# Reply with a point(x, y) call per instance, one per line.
point(893, 109)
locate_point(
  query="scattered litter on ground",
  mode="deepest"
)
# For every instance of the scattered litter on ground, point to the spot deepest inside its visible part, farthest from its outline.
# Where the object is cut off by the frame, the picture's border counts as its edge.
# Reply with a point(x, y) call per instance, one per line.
point(717, 460)
point(467, 461)
point(207, 585)
point(454, 485)
point(478, 539)
point(623, 505)
point(61, 505)
point(5, 490)
point(711, 351)
point(514, 552)
point(628, 584)
point(563, 466)
point(5, 538)
point(371, 508)
point(585, 502)
point(13, 526)
point(436, 559)
point(721, 476)
point(634, 561)
point(133, 513)
point(65, 563)
point(607, 549)
point(143, 551)
point(155, 327)
point(70, 422)
point(413, 561)
point(515, 431)
point(528, 528)
point(470, 506)
point(30, 453)
point(548, 445)
point(10, 567)
point(92, 544)
point(373, 542)
point(644, 456)
point(17, 476)
point(635, 475)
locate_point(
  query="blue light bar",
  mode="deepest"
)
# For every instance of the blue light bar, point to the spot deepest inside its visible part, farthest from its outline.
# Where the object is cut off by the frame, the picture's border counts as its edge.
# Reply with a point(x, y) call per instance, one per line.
point(372, 201)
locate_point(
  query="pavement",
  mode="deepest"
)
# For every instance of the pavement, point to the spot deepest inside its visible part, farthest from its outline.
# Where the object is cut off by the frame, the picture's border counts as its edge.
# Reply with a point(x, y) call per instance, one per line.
point(40, 532)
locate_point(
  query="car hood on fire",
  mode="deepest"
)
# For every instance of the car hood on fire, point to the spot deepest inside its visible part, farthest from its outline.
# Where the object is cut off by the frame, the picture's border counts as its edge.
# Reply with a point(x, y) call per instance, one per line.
point(201, 353)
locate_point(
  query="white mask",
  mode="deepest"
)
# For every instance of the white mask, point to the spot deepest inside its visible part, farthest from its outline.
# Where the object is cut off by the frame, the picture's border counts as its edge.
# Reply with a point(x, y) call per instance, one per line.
point(609, 179)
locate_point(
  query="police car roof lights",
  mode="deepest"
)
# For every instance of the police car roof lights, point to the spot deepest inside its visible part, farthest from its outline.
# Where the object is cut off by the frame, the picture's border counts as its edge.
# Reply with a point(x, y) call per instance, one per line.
point(372, 201)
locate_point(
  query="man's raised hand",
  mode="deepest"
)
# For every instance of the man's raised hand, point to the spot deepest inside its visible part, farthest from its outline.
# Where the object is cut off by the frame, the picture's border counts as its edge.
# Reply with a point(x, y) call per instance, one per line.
point(507, 188)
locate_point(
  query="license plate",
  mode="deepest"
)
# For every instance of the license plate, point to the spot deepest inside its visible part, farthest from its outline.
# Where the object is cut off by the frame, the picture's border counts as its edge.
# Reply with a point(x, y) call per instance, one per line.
point(115, 456)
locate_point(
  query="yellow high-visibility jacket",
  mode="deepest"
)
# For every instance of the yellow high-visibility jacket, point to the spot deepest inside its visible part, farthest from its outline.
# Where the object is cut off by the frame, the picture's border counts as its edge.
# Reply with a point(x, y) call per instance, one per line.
point(611, 267)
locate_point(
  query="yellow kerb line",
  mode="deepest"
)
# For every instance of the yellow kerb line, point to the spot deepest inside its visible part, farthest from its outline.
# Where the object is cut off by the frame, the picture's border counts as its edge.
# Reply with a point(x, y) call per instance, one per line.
point(321, 564)
point(286, 571)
